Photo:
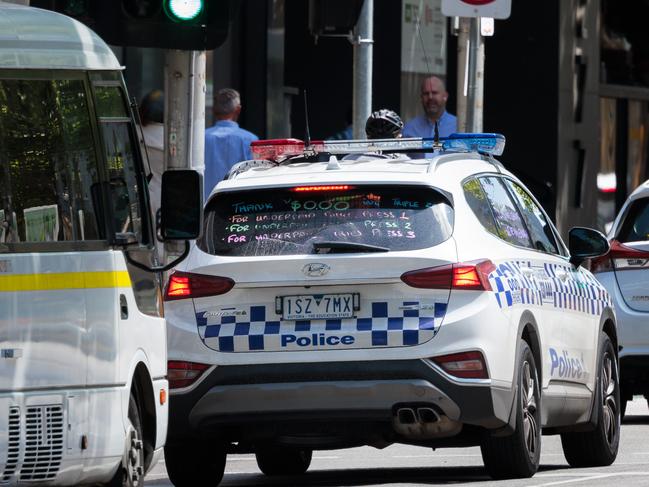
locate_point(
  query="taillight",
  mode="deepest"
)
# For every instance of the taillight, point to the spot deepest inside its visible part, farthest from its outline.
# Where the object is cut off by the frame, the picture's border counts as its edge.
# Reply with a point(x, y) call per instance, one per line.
point(469, 276)
point(183, 374)
point(620, 257)
point(183, 285)
point(465, 365)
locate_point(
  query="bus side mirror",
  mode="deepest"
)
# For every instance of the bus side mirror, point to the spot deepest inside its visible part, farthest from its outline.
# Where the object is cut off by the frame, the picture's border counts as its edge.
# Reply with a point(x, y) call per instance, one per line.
point(181, 206)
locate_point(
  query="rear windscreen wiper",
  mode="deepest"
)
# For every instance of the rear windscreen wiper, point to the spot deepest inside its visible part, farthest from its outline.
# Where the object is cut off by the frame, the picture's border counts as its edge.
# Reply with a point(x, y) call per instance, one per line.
point(342, 247)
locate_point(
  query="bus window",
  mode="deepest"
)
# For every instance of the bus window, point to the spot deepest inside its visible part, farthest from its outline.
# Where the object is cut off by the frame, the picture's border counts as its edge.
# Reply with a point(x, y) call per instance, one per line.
point(125, 184)
point(47, 163)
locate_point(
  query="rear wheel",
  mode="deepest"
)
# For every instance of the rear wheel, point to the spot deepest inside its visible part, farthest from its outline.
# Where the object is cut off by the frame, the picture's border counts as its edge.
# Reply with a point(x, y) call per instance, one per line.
point(283, 461)
point(599, 447)
point(518, 455)
point(195, 463)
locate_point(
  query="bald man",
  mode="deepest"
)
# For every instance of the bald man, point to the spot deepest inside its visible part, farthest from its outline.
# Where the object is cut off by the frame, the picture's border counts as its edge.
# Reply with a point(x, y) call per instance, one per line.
point(433, 100)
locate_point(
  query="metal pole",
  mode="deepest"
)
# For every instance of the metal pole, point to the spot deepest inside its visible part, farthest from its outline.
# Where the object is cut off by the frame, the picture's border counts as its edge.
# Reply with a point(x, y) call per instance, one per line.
point(184, 116)
point(185, 109)
point(475, 92)
point(462, 72)
point(363, 48)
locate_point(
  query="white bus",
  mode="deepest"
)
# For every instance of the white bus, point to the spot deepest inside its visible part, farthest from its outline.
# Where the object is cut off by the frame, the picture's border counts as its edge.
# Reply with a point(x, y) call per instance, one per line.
point(83, 387)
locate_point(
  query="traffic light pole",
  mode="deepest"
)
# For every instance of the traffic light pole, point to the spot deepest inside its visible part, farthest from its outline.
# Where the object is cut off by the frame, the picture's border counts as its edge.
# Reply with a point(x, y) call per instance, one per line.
point(184, 115)
point(185, 109)
point(363, 48)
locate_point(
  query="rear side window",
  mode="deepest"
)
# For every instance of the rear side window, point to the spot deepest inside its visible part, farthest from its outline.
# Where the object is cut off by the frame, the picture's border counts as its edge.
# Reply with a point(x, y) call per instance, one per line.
point(508, 221)
point(537, 223)
point(289, 221)
point(636, 223)
point(477, 200)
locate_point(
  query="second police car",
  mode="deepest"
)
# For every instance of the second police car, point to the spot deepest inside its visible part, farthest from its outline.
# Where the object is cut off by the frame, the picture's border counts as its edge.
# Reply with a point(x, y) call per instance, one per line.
point(368, 300)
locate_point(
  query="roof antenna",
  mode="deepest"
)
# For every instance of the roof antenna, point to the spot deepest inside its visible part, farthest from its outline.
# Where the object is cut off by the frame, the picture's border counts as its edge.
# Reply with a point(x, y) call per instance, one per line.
point(436, 144)
point(306, 120)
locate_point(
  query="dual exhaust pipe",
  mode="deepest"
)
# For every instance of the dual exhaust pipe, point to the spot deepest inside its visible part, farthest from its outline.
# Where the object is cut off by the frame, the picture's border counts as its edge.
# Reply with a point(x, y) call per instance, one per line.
point(423, 422)
point(418, 415)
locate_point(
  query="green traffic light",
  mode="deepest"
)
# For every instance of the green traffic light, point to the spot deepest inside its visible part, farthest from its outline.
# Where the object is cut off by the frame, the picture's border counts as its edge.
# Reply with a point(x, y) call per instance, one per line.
point(184, 10)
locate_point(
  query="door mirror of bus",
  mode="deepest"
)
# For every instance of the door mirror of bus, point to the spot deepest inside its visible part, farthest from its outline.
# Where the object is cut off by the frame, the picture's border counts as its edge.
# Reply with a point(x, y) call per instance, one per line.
point(585, 243)
point(181, 207)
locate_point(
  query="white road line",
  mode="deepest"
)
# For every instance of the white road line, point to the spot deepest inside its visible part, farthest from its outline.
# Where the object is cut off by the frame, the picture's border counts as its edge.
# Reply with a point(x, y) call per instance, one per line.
point(435, 456)
point(592, 477)
point(326, 458)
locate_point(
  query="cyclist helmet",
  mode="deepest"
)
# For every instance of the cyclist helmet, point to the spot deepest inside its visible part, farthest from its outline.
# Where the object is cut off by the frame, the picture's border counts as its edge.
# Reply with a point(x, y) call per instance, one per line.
point(383, 124)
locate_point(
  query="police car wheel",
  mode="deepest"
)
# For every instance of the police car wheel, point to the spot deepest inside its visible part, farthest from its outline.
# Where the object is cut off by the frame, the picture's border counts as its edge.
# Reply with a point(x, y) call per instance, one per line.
point(195, 463)
point(598, 448)
point(283, 461)
point(518, 455)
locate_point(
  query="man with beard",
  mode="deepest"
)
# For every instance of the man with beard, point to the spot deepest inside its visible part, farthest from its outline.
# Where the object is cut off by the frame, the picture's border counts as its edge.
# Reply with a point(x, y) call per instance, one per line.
point(433, 101)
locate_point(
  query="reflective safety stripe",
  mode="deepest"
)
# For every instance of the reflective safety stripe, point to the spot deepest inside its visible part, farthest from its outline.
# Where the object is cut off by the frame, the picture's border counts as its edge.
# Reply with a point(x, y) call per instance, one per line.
point(64, 280)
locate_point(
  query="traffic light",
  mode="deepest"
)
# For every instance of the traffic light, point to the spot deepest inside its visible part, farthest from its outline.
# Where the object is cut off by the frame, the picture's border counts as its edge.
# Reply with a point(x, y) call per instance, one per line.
point(169, 24)
point(333, 17)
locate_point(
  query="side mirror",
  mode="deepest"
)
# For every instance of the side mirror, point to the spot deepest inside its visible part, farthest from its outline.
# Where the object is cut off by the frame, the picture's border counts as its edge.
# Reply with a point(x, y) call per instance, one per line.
point(181, 206)
point(585, 243)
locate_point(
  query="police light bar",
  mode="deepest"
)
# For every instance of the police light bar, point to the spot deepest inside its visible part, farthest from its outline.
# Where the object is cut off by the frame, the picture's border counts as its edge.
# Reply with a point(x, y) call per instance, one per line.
point(493, 144)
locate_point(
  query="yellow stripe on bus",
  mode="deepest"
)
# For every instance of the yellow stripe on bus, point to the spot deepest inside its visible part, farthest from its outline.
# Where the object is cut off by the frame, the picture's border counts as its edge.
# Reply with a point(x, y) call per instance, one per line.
point(64, 280)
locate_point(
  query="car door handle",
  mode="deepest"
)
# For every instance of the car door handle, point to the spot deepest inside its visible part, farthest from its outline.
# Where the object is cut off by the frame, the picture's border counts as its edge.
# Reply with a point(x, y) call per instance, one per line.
point(11, 353)
point(527, 272)
point(123, 307)
point(562, 275)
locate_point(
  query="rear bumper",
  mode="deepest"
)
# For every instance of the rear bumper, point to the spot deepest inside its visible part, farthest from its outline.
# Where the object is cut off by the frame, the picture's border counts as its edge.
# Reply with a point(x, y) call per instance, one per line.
point(234, 397)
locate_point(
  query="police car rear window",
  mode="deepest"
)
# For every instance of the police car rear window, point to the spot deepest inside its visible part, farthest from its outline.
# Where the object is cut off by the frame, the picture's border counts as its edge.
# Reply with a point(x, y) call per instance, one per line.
point(298, 220)
point(636, 223)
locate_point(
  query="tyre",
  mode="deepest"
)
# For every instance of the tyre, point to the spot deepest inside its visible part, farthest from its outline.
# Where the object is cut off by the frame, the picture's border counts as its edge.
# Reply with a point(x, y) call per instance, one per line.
point(283, 461)
point(518, 455)
point(194, 464)
point(132, 474)
point(623, 401)
point(599, 447)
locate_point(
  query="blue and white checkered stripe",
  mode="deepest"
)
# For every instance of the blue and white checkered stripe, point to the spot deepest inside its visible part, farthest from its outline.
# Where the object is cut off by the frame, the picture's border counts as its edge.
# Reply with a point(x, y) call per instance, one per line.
point(544, 287)
point(391, 324)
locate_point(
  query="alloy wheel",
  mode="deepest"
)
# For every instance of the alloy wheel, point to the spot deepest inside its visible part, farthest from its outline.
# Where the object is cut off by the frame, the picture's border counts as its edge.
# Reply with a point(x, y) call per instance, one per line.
point(529, 403)
point(610, 408)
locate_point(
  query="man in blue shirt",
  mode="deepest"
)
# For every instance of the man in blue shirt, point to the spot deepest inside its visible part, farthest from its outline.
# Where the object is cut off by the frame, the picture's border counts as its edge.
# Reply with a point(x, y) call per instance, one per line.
point(433, 101)
point(225, 142)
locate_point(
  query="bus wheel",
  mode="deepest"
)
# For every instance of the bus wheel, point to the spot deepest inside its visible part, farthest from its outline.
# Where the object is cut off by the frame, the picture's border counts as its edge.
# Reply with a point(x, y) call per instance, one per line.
point(131, 471)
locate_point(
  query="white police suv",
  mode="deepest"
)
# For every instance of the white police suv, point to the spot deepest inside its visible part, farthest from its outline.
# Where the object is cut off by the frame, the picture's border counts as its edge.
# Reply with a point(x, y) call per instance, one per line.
point(382, 298)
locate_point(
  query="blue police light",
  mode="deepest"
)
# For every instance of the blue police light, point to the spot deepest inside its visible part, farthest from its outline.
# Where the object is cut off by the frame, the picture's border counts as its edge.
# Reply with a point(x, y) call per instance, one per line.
point(493, 144)
point(184, 10)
